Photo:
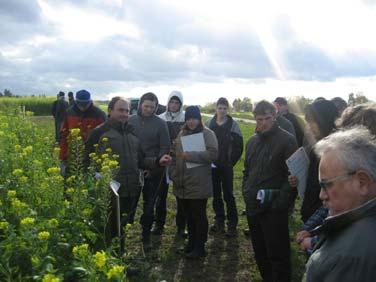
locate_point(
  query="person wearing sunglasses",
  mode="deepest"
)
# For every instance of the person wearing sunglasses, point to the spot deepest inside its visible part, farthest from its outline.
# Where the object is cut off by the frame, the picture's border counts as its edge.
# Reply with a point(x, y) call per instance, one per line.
point(347, 177)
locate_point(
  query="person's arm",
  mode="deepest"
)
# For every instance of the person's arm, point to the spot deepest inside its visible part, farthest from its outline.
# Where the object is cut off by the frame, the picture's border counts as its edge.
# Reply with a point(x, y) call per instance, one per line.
point(204, 157)
point(316, 219)
point(246, 165)
point(237, 143)
point(94, 137)
point(164, 140)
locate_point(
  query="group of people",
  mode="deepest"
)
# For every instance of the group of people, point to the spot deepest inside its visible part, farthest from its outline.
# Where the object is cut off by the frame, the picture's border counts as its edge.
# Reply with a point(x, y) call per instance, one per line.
point(338, 209)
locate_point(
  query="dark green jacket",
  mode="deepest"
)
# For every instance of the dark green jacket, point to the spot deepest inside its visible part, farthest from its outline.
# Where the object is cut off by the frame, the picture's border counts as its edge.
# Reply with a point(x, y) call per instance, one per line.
point(123, 142)
point(346, 251)
point(265, 169)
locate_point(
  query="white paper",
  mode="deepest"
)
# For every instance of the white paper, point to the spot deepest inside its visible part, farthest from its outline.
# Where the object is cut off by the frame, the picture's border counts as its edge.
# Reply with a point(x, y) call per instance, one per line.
point(261, 196)
point(298, 165)
point(115, 187)
point(193, 143)
point(168, 179)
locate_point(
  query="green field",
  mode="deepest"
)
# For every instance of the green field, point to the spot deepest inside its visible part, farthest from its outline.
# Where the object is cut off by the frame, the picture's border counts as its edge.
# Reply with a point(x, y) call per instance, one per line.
point(227, 259)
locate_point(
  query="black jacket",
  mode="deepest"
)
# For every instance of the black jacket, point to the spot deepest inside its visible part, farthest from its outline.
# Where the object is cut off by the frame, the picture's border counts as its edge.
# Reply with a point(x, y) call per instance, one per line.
point(265, 168)
point(230, 141)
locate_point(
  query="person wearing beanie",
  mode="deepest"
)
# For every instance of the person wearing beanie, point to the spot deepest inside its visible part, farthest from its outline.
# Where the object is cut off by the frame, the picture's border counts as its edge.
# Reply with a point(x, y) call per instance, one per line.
point(266, 193)
point(320, 116)
point(174, 116)
point(154, 139)
point(83, 115)
point(59, 110)
point(193, 185)
point(230, 149)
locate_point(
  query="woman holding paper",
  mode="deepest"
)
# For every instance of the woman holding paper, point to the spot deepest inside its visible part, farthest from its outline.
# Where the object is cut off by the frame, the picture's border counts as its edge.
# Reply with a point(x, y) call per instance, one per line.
point(195, 150)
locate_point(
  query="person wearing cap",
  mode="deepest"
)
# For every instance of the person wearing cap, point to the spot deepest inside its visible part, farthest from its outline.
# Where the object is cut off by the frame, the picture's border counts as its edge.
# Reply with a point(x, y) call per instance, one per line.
point(266, 193)
point(83, 115)
point(230, 149)
point(59, 110)
point(174, 116)
point(193, 185)
point(154, 138)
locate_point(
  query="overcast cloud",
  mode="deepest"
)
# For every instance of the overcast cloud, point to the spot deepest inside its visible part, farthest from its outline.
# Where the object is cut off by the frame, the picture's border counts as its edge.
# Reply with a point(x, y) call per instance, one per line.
point(204, 48)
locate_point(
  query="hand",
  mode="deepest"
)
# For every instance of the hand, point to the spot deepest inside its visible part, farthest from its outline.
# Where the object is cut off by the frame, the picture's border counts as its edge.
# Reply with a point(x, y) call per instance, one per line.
point(293, 181)
point(300, 236)
point(165, 160)
point(306, 244)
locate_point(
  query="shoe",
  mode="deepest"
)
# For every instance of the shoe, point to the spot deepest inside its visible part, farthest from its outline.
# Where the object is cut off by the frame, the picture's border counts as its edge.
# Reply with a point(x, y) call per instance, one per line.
point(231, 232)
point(157, 230)
point(247, 233)
point(182, 233)
point(132, 271)
point(147, 244)
point(217, 228)
point(196, 253)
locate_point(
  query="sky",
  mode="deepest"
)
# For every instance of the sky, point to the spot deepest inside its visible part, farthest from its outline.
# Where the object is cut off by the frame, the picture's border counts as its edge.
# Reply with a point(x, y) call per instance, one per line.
point(204, 48)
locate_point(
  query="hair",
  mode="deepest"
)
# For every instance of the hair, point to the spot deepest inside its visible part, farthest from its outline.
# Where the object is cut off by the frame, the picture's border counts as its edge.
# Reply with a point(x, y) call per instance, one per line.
point(113, 101)
point(223, 101)
point(70, 94)
point(324, 113)
point(340, 104)
point(280, 101)
point(355, 148)
point(359, 115)
point(264, 107)
point(150, 96)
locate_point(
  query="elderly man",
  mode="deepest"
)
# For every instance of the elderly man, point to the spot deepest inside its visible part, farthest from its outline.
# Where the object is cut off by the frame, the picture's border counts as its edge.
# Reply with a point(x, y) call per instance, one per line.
point(346, 249)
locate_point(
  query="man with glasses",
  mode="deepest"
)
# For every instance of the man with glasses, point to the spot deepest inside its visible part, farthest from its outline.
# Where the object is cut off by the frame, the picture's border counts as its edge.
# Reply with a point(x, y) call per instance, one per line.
point(347, 173)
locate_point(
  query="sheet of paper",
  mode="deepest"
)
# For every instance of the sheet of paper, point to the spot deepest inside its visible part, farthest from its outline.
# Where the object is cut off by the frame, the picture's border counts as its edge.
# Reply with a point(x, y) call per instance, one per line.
point(298, 165)
point(193, 143)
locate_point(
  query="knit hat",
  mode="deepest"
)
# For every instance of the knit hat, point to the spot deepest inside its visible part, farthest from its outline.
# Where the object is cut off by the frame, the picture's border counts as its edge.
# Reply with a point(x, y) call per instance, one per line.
point(192, 112)
point(83, 97)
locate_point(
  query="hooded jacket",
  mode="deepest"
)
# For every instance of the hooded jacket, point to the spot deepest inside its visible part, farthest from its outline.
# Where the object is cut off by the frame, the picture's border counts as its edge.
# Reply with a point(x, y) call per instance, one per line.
point(175, 121)
point(153, 135)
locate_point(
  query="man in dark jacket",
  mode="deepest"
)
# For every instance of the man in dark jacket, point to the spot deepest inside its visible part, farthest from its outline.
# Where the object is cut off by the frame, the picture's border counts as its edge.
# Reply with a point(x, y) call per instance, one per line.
point(266, 193)
point(83, 115)
point(59, 111)
point(153, 134)
point(346, 249)
point(174, 117)
point(230, 148)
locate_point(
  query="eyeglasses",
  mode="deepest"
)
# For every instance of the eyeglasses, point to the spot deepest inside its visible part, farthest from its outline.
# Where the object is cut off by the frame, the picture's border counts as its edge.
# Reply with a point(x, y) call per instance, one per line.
point(326, 184)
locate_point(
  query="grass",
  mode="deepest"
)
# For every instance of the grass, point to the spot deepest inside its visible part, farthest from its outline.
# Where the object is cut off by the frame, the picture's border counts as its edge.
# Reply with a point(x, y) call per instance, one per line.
point(227, 259)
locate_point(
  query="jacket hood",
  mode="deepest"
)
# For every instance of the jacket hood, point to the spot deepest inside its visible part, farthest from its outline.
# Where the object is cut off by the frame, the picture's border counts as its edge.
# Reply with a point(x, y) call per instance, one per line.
point(178, 95)
point(142, 99)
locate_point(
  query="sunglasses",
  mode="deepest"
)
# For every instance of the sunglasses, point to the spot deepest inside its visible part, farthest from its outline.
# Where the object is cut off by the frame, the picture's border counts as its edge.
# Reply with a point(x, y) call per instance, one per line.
point(327, 183)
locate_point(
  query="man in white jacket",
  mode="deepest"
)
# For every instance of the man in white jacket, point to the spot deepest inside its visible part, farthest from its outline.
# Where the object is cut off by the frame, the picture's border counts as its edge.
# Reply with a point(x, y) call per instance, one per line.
point(174, 116)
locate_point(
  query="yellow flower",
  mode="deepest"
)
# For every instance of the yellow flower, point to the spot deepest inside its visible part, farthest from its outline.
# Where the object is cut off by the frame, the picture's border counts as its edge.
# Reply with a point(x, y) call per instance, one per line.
point(81, 250)
point(17, 204)
point(86, 212)
point(29, 113)
point(4, 225)
point(70, 190)
point(53, 170)
point(105, 168)
point(50, 278)
point(11, 193)
point(27, 221)
point(43, 235)
point(75, 132)
point(28, 150)
point(71, 178)
point(92, 155)
point(100, 259)
point(53, 222)
point(105, 156)
point(66, 203)
point(56, 150)
point(17, 172)
point(17, 147)
point(108, 150)
point(115, 272)
point(105, 139)
point(23, 179)
point(113, 164)
point(4, 125)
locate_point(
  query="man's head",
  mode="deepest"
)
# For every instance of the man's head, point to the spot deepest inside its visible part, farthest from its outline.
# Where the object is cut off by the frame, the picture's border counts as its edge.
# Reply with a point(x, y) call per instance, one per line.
point(359, 115)
point(174, 103)
point(192, 117)
point(264, 114)
point(347, 170)
point(280, 104)
point(118, 109)
point(340, 104)
point(70, 94)
point(148, 104)
point(83, 100)
point(222, 107)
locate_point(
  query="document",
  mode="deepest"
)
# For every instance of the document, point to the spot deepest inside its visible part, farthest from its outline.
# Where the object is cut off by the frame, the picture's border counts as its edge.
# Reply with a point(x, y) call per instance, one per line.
point(298, 165)
point(193, 143)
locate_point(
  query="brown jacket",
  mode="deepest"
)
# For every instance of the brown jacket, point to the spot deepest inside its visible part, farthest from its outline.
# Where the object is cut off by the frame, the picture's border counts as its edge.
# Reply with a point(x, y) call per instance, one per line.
point(194, 183)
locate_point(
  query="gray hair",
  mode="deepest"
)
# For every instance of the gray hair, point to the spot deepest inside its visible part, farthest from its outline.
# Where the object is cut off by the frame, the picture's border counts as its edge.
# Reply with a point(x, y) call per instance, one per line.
point(355, 148)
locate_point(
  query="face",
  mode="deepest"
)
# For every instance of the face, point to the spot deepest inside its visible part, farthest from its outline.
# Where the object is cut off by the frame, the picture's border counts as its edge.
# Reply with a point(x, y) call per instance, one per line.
point(265, 122)
point(342, 194)
point(192, 123)
point(120, 111)
point(277, 106)
point(174, 105)
point(221, 110)
point(148, 108)
point(314, 129)
point(83, 107)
